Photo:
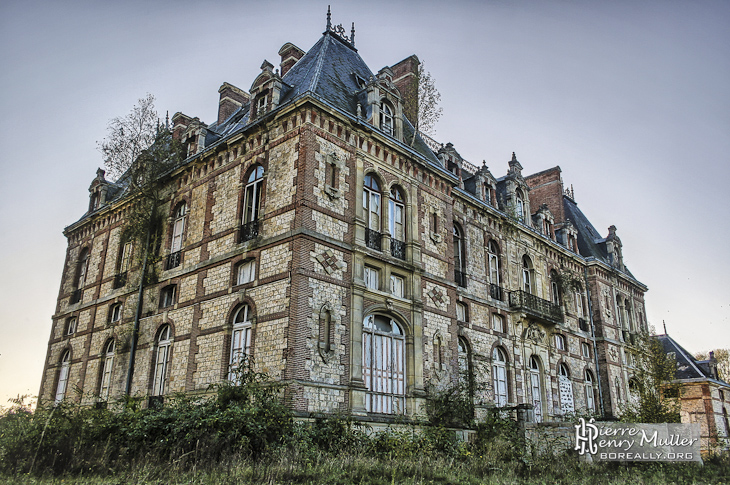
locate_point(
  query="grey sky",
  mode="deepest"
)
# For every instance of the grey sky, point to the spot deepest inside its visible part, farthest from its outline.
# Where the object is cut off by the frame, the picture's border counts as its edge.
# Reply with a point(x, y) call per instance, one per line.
point(629, 98)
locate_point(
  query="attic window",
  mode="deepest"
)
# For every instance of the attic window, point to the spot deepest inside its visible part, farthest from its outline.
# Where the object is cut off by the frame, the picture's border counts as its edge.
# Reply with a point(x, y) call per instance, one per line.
point(261, 105)
point(386, 119)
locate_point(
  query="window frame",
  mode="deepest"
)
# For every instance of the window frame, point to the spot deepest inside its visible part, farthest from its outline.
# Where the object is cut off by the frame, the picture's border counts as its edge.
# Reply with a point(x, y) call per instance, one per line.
point(63, 376)
point(168, 296)
point(397, 286)
point(372, 195)
point(397, 209)
point(162, 358)
point(178, 227)
point(500, 379)
point(385, 385)
point(253, 195)
point(536, 387)
point(371, 275)
point(240, 345)
point(387, 119)
point(107, 370)
point(115, 312)
point(72, 324)
point(496, 317)
point(561, 343)
point(243, 267)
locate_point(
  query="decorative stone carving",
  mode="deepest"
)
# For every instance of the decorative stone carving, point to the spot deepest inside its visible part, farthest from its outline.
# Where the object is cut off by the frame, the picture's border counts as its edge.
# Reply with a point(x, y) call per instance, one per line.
point(535, 334)
point(329, 261)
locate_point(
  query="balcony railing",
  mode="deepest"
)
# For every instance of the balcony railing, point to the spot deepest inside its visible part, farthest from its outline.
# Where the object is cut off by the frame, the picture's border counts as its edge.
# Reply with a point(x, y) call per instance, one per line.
point(496, 292)
point(372, 239)
point(398, 249)
point(544, 310)
point(76, 296)
point(120, 280)
point(249, 231)
point(460, 278)
point(173, 260)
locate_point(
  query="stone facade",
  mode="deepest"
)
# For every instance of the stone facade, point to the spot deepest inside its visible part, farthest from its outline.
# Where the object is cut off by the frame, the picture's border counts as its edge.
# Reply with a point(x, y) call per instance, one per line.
point(367, 245)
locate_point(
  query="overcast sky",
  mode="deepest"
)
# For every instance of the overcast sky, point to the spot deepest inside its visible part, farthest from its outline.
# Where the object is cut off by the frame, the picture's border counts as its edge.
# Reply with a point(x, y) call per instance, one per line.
point(629, 98)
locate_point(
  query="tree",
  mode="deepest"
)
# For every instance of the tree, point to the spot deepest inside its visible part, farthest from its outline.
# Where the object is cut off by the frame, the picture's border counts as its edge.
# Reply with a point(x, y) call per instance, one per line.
point(723, 362)
point(140, 152)
point(653, 391)
point(423, 95)
point(129, 136)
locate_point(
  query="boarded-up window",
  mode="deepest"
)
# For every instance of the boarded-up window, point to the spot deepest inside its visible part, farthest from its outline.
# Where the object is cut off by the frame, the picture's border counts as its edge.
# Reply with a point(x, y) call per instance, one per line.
point(383, 363)
point(566, 390)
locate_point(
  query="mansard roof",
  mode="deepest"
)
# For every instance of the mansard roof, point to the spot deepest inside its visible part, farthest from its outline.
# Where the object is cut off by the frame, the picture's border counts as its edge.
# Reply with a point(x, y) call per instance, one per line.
point(687, 366)
point(590, 242)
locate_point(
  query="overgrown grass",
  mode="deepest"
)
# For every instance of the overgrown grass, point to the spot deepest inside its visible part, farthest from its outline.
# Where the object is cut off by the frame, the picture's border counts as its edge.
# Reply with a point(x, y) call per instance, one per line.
point(245, 434)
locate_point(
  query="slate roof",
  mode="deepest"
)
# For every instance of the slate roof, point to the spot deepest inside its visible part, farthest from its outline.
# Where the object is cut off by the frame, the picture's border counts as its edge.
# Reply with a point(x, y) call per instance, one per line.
point(687, 366)
point(590, 242)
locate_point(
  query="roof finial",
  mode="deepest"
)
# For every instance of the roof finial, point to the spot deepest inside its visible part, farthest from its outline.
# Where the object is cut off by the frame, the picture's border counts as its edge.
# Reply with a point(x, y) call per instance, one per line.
point(665, 327)
point(167, 120)
point(352, 36)
point(514, 157)
point(329, 19)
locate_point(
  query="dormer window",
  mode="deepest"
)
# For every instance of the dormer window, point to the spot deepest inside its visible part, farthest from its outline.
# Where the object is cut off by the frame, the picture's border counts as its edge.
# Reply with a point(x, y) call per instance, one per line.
point(261, 105)
point(386, 118)
point(94, 202)
point(520, 206)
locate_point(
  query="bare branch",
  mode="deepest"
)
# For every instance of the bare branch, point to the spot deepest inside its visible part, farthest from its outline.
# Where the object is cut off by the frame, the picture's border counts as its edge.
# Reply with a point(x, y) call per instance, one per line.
point(129, 136)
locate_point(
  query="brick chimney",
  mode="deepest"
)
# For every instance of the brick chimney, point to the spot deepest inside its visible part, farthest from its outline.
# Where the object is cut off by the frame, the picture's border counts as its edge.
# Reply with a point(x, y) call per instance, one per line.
point(231, 99)
point(290, 54)
point(405, 78)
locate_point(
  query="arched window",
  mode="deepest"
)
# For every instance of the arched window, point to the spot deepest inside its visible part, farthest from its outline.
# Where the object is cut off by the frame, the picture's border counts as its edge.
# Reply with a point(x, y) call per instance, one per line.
point(371, 211)
point(252, 195)
point(383, 362)
point(617, 386)
point(590, 392)
point(396, 222)
point(240, 343)
point(493, 255)
point(554, 287)
point(527, 283)
point(386, 118)
point(536, 388)
point(63, 376)
point(499, 377)
point(178, 228)
point(459, 260)
point(163, 346)
point(107, 368)
point(520, 205)
point(567, 405)
point(493, 263)
point(633, 391)
point(82, 268)
point(464, 356)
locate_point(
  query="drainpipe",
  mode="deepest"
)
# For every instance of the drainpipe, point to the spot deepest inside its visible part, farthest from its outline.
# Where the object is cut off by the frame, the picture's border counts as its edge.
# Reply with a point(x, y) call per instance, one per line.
point(137, 315)
point(593, 339)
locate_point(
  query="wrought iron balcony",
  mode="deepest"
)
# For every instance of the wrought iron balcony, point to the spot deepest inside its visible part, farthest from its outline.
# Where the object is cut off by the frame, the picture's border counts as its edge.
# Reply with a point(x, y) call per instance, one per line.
point(543, 310)
point(173, 260)
point(76, 296)
point(372, 239)
point(460, 278)
point(496, 292)
point(249, 231)
point(120, 280)
point(398, 249)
